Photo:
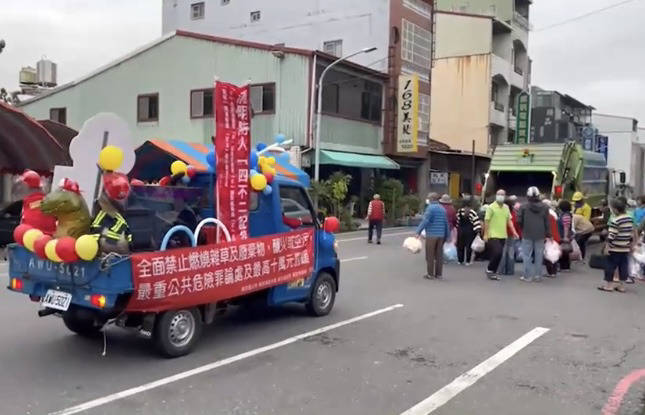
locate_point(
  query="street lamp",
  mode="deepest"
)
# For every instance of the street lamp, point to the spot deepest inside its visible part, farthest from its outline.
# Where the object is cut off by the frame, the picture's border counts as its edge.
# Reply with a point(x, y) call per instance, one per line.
point(319, 109)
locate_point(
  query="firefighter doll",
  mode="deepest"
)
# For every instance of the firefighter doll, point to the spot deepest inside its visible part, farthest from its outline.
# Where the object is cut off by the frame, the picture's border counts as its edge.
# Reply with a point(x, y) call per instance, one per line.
point(109, 226)
point(29, 188)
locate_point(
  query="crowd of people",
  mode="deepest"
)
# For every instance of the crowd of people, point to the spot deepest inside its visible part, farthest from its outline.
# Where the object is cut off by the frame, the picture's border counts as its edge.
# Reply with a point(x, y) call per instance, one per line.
point(543, 233)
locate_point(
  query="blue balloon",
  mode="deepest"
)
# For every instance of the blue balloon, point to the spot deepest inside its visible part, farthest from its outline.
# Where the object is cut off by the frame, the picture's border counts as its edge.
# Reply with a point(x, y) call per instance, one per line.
point(210, 158)
point(280, 138)
point(267, 190)
point(253, 159)
point(261, 146)
point(253, 172)
point(185, 179)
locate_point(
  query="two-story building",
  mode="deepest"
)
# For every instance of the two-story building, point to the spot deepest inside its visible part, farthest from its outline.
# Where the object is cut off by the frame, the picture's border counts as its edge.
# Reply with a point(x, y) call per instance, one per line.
point(165, 90)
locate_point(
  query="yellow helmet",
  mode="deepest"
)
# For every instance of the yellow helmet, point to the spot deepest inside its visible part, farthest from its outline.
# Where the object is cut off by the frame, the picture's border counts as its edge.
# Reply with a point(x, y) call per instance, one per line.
point(577, 196)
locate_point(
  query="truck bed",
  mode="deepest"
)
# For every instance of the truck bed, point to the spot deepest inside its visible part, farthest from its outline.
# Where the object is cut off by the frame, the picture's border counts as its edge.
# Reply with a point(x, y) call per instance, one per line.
point(112, 278)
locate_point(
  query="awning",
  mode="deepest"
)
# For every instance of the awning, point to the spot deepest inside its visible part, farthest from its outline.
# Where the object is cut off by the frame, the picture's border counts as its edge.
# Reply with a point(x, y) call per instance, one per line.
point(155, 156)
point(26, 144)
point(365, 161)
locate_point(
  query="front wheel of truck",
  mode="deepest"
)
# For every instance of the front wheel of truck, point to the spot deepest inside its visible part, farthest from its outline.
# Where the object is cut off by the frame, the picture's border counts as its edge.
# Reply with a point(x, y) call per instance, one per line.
point(323, 295)
point(82, 322)
point(176, 332)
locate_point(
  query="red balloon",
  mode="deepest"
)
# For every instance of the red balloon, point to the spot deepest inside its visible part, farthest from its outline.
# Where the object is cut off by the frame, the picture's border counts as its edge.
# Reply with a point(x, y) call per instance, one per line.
point(39, 246)
point(165, 181)
point(66, 249)
point(137, 182)
point(269, 177)
point(332, 224)
point(191, 171)
point(19, 232)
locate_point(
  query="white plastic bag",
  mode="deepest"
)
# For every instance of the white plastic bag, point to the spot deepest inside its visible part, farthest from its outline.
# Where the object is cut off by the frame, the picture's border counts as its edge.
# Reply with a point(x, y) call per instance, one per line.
point(576, 253)
point(635, 270)
point(552, 251)
point(478, 245)
point(639, 254)
point(449, 252)
point(413, 245)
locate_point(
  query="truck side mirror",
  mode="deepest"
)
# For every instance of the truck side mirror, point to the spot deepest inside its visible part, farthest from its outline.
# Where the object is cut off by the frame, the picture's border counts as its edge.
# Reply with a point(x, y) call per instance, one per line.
point(623, 177)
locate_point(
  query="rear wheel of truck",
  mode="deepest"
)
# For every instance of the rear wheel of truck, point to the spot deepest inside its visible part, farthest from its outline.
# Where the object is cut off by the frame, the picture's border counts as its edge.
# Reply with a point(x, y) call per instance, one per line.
point(323, 295)
point(82, 322)
point(177, 331)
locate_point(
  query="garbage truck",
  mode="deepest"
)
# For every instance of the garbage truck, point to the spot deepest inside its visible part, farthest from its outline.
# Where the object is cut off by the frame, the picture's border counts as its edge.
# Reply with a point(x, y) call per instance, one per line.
point(557, 169)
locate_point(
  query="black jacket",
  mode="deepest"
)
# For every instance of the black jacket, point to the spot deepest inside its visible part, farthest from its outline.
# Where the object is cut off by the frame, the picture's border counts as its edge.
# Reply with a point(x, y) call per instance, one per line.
point(533, 219)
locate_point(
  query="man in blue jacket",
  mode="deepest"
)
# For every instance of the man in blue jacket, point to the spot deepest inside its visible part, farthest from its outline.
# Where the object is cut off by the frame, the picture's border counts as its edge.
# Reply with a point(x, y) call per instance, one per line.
point(435, 223)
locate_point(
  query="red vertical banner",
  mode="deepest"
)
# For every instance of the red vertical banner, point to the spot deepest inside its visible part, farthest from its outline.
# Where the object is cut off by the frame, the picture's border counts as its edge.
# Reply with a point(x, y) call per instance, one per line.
point(232, 147)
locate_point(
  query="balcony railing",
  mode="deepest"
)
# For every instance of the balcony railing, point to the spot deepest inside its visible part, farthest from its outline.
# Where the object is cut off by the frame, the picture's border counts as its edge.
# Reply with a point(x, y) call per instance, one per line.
point(522, 21)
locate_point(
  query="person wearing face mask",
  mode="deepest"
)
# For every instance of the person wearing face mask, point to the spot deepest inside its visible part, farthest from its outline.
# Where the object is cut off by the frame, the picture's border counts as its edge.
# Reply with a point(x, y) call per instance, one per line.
point(496, 222)
point(581, 207)
point(533, 219)
point(437, 230)
point(620, 242)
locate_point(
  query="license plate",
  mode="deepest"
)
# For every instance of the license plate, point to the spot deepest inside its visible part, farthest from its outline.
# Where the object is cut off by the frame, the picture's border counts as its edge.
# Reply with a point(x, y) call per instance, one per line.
point(58, 300)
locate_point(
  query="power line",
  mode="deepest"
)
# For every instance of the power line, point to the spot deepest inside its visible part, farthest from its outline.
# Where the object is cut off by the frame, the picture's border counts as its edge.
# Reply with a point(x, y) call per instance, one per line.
point(583, 16)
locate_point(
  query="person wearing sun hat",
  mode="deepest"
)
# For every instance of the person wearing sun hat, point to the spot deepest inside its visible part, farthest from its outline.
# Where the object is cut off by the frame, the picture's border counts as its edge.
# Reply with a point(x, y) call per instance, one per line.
point(446, 202)
point(581, 206)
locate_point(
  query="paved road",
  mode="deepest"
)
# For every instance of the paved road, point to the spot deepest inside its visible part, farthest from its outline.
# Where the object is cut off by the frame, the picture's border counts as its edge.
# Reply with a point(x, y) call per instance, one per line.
point(381, 364)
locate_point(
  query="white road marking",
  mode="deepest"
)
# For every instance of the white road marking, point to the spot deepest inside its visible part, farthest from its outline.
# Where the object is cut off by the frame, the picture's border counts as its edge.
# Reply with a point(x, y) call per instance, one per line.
point(384, 236)
point(211, 366)
point(462, 382)
point(358, 258)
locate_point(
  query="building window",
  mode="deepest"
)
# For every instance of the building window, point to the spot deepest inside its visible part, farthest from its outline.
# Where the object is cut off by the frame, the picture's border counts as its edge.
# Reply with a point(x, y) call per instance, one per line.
point(416, 45)
point(197, 11)
point(346, 95)
point(255, 16)
point(148, 107)
point(58, 115)
point(225, 2)
point(424, 113)
point(201, 103)
point(371, 102)
point(419, 6)
point(334, 47)
point(263, 98)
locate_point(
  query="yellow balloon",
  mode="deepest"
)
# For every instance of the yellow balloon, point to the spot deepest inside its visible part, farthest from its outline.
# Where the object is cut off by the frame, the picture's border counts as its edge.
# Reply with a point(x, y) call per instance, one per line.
point(110, 158)
point(50, 251)
point(258, 182)
point(87, 247)
point(30, 237)
point(271, 161)
point(269, 170)
point(178, 167)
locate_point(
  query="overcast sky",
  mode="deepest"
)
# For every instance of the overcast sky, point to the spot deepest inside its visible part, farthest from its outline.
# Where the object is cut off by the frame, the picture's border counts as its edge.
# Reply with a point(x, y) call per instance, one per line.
point(598, 59)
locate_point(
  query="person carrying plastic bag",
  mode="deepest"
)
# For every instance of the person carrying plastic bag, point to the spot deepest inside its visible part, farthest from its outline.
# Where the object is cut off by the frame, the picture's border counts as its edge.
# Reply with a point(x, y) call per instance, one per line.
point(533, 219)
point(437, 231)
point(497, 224)
point(468, 228)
